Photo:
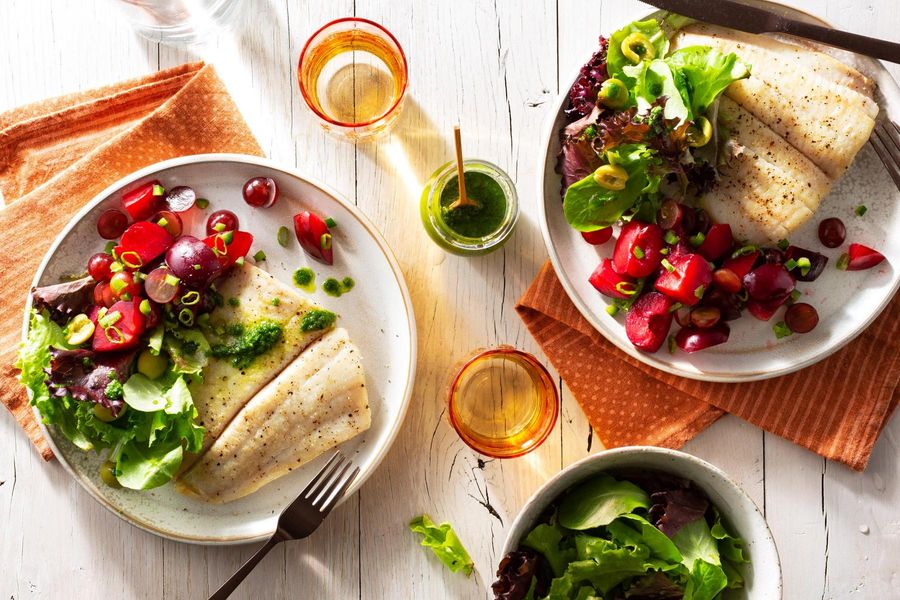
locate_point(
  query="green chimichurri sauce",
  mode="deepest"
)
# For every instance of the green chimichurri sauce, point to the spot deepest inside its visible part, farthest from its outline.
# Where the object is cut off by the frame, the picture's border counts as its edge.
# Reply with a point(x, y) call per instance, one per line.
point(317, 319)
point(336, 288)
point(470, 221)
point(249, 342)
point(305, 279)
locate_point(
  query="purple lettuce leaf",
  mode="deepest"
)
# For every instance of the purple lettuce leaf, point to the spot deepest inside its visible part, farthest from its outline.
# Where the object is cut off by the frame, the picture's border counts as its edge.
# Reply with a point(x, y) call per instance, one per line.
point(676, 500)
point(64, 300)
point(654, 586)
point(85, 375)
point(515, 575)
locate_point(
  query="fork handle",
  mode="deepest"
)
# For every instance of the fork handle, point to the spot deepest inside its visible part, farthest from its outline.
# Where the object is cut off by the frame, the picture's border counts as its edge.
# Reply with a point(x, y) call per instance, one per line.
point(235, 580)
point(882, 49)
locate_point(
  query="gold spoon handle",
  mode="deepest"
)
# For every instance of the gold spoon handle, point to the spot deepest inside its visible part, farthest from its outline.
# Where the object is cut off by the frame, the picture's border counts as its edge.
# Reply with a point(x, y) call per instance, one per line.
point(457, 138)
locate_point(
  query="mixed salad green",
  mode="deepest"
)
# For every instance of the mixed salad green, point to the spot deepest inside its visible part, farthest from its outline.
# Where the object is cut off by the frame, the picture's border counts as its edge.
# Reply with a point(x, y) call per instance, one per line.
point(643, 121)
point(643, 536)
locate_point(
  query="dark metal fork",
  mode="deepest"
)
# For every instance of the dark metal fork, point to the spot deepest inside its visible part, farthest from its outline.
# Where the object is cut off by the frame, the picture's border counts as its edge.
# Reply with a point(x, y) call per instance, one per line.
point(302, 516)
point(886, 142)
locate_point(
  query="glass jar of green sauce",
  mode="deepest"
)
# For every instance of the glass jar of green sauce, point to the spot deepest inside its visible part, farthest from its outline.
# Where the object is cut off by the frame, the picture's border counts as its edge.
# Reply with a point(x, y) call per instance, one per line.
point(467, 230)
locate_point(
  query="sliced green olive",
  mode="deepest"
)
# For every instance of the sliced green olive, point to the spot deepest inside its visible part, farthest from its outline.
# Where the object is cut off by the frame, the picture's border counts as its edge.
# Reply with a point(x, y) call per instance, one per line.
point(699, 132)
point(106, 415)
point(611, 177)
point(152, 366)
point(80, 330)
point(108, 474)
point(637, 47)
point(613, 93)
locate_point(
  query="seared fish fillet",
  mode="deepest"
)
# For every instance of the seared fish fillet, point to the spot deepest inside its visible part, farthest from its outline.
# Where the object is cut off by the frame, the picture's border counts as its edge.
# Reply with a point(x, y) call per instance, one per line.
point(319, 401)
point(801, 94)
point(226, 389)
point(768, 188)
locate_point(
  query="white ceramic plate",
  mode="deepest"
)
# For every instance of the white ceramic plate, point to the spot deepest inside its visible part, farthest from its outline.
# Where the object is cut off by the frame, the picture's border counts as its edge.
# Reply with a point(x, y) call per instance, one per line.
point(377, 313)
point(847, 302)
point(762, 576)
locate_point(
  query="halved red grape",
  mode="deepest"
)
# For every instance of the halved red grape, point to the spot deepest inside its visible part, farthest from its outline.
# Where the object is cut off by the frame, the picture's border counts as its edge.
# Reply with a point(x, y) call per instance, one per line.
point(161, 285)
point(683, 317)
point(103, 295)
point(832, 232)
point(765, 309)
point(705, 317)
point(600, 236)
point(169, 221)
point(261, 192)
point(703, 221)
point(768, 281)
point(801, 317)
point(181, 198)
point(691, 339)
point(314, 236)
point(727, 280)
point(863, 257)
point(111, 224)
point(193, 262)
point(226, 220)
point(123, 286)
point(670, 214)
point(773, 256)
point(729, 305)
point(98, 266)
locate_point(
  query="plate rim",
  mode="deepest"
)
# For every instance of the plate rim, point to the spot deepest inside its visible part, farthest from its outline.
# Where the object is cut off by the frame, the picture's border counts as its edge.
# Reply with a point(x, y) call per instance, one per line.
point(180, 161)
point(549, 130)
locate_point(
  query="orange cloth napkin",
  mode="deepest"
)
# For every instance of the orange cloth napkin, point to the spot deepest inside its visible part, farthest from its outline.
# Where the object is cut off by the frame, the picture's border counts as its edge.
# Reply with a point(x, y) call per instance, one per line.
point(836, 408)
point(55, 155)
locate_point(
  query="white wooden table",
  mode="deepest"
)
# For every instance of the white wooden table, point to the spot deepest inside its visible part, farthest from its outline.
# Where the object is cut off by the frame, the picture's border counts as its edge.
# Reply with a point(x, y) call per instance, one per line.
point(494, 67)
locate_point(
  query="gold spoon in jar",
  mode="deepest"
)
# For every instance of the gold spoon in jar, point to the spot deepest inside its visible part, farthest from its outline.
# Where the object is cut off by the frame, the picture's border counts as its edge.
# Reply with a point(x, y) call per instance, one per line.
point(464, 199)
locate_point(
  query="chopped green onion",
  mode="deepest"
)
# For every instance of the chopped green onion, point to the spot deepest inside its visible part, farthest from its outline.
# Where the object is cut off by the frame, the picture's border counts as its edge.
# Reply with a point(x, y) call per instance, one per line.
point(117, 285)
point(159, 190)
point(783, 244)
point(843, 261)
point(697, 239)
point(325, 241)
point(742, 295)
point(676, 306)
point(611, 309)
point(743, 250)
point(860, 210)
point(795, 295)
point(202, 203)
point(626, 287)
point(132, 259)
point(145, 307)
point(219, 227)
point(108, 249)
point(284, 236)
point(162, 222)
point(259, 256)
point(701, 289)
point(638, 252)
point(669, 267)
point(781, 330)
point(240, 261)
point(790, 264)
point(138, 276)
point(203, 319)
point(109, 319)
point(116, 267)
point(672, 344)
point(228, 237)
point(804, 264)
point(103, 310)
point(671, 237)
point(276, 301)
point(234, 301)
point(664, 251)
point(196, 267)
point(191, 298)
point(171, 280)
point(118, 338)
point(330, 222)
point(126, 297)
point(186, 317)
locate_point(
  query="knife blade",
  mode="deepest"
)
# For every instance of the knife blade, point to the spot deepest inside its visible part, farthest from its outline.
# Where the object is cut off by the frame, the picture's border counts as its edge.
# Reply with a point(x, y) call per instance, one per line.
point(753, 19)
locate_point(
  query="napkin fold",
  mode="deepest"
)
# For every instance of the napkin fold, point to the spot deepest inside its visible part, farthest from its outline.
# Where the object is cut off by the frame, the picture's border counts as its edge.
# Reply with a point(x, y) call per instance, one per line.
point(57, 154)
point(836, 408)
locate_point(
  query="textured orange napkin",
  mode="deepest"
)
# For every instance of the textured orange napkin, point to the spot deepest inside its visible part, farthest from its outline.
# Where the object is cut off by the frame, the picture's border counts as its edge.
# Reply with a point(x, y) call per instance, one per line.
point(836, 408)
point(55, 155)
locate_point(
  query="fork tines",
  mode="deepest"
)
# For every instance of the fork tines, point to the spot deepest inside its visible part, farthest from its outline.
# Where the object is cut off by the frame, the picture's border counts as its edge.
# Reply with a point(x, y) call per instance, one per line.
point(886, 142)
point(330, 483)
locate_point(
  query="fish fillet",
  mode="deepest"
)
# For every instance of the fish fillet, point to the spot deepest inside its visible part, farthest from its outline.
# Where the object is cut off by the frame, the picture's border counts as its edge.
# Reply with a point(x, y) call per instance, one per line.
point(795, 91)
point(225, 389)
point(768, 188)
point(316, 403)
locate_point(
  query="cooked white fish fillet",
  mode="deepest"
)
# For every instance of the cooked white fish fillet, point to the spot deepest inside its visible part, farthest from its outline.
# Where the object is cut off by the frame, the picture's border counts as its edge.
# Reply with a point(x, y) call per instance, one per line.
point(826, 121)
point(768, 188)
point(225, 389)
point(319, 401)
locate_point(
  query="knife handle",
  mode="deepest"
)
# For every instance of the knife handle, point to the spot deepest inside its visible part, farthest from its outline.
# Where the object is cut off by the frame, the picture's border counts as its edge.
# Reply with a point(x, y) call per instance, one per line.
point(861, 44)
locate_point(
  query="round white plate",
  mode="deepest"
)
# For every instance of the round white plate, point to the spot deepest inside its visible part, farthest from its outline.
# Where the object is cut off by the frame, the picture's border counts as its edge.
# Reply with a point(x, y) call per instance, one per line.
point(377, 313)
point(847, 302)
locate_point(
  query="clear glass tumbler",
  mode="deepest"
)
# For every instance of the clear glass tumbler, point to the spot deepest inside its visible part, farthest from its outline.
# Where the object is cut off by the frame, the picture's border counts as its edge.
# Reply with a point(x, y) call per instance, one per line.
point(180, 21)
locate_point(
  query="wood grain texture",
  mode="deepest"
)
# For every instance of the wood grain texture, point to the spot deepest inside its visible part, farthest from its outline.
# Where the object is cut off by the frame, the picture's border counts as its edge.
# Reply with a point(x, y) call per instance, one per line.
point(494, 67)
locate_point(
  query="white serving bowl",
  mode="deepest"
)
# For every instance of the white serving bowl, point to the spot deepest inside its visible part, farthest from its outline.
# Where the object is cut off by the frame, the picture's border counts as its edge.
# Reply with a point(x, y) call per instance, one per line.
point(762, 575)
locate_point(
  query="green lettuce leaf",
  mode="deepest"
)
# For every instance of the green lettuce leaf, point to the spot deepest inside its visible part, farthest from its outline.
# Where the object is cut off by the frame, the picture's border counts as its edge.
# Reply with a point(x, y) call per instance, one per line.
point(616, 61)
point(705, 582)
point(599, 501)
point(657, 78)
point(707, 72)
point(34, 354)
point(188, 349)
point(547, 539)
point(695, 541)
point(154, 342)
point(141, 467)
point(443, 542)
point(731, 551)
point(634, 530)
point(588, 206)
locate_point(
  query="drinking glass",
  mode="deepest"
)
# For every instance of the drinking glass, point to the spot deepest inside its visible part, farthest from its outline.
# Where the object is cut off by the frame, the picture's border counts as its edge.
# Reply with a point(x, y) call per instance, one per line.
point(180, 21)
